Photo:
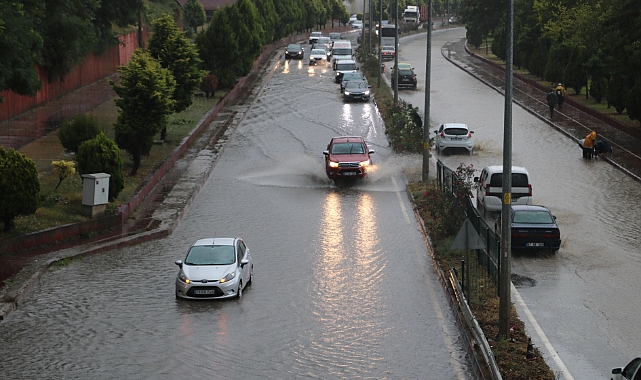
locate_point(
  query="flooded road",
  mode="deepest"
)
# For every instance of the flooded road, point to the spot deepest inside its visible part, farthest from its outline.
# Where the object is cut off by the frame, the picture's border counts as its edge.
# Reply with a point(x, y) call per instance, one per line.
point(584, 298)
point(343, 286)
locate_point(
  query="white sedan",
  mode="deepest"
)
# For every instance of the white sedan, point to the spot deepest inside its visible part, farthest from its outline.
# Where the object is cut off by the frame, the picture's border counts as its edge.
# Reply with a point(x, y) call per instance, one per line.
point(317, 56)
point(215, 268)
point(454, 136)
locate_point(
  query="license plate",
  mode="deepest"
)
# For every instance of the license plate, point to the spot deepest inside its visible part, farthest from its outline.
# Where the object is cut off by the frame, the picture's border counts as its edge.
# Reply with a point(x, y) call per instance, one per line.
point(457, 139)
point(205, 291)
point(349, 173)
point(534, 244)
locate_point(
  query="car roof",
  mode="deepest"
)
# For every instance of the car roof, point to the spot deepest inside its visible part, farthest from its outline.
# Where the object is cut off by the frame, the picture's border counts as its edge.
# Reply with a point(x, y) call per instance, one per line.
point(529, 208)
point(343, 61)
point(316, 34)
point(499, 168)
point(455, 125)
point(215, 241)
point(342, 43)
point(345, 139)
point(318, 51)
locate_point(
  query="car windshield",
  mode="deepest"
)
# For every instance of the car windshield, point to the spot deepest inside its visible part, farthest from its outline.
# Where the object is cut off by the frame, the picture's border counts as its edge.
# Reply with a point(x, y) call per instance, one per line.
point(210, 255)
point(350, 76)
point(293, 47)
point(532, 217)
point(316, 34)
point(354, 84)
point(342, 51)
point(455, 131)
point(348, 148)
point(345, 66)
point(318, 52)
point(324, 40)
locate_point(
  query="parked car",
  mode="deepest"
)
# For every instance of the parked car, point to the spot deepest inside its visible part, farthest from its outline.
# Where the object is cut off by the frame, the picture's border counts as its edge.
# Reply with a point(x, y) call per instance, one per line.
point(406, 79)
point(294, 51)
point(347, 157)
point(356, 90)
point(490, 188)
point(388, 53)
point(317, 56)
point(215, 268)
point(354, 75)
point(632, 371)
point(313, 37)
point(532, 228)
point(453, 136)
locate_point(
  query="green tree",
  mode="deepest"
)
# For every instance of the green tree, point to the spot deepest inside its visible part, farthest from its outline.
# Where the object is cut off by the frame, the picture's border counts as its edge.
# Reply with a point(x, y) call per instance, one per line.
point(174, 51)
point(19, 186)
point(75, 131)
point(102, 155)
point(249, 30)
point(270, 19)
point(145, 102)
point(194, 14)
point(20, 45)
point(219, 48)
point(121, 13)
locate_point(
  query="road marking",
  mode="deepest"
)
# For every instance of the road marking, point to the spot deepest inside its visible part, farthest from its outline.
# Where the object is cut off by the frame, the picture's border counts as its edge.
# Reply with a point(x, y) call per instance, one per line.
point(400, 201)
point(541, 334)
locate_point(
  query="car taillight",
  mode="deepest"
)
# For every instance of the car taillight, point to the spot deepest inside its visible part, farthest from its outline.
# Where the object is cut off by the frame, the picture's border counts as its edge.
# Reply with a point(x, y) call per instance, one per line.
point(442, 134)
point(469, 135)
point(552, 235)
point(487, 190)
point(529, 192)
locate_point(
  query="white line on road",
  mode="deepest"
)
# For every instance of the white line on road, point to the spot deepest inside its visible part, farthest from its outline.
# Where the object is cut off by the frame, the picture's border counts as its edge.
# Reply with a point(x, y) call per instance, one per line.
point(400, 201)
point(541, 334)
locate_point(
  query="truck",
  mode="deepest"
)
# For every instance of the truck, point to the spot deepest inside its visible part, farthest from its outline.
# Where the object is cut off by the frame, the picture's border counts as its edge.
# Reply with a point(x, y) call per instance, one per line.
point(411, 14)
point(388, 35)
point(423, 15)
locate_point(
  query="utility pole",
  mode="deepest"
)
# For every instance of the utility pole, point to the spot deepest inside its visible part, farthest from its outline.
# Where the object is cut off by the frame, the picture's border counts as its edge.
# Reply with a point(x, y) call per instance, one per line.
point(505, 303)
point(380, 39)
point(395, 79)
point(426, 118)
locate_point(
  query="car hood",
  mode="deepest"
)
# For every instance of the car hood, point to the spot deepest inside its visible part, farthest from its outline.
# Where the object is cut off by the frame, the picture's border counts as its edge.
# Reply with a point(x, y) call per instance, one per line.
point(349, 157)
point(208, 272)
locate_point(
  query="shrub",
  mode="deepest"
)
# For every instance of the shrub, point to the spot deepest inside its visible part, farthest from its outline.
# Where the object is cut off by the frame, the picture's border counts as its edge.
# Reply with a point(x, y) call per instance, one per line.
point(405, 128)
point(209, 85)
point(63, 169)
point(19, 186)
point(101, 155)
point(74, 132)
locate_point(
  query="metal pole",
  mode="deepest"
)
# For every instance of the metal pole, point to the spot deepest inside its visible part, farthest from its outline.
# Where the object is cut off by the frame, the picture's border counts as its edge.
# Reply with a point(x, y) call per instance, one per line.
point(370, 25)
point(506, 246)
point(380, 39)
point(428, 83)
point(396, 52)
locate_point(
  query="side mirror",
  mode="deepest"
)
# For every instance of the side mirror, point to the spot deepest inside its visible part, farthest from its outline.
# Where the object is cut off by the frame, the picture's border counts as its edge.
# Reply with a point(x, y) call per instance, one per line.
point(372, 152)
point(471, 131)
point(326, 152)
point(435, 131)
point(476, 179)
point(243, 262)
point(179, 263)
point(617, 371)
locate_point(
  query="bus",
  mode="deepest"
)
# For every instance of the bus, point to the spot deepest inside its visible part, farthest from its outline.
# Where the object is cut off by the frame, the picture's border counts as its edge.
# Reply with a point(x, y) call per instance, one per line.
point(388, 35)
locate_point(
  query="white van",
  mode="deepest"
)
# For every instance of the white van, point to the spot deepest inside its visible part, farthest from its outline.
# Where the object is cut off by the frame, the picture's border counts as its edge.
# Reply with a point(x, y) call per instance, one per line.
point(342, 49)
point(490, 189)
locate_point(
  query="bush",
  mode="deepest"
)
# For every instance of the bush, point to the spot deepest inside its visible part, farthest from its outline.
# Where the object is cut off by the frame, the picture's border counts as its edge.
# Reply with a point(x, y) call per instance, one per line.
point(404, 129)
point(74, 132)
point(101, 155)
point(209, 85)
point(63, 169)
point(19, 186)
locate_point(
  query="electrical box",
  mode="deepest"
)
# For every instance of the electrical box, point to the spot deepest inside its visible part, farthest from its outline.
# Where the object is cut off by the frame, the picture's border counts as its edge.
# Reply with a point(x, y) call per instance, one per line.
point(95, 193)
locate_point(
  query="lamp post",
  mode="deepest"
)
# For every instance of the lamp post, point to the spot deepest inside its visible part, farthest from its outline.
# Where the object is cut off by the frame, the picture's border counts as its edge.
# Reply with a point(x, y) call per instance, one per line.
point(426, 118)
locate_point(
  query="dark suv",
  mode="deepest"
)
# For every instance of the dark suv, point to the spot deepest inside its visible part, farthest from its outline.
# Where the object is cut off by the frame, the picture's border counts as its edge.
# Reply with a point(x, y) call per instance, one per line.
point(406, 78)
point(347, 157)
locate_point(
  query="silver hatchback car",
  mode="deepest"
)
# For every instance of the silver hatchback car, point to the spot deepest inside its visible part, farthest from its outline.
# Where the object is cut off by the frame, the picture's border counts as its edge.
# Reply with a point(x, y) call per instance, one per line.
point(215, 268)
point(454, 136)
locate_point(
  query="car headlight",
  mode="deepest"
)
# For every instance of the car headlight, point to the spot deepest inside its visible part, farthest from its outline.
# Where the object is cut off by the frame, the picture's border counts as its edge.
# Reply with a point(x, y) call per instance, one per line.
point(228, 277)
point(346, 93)
point(366, 93)
point(183, 278)
point(333, 164)
point(365, 163)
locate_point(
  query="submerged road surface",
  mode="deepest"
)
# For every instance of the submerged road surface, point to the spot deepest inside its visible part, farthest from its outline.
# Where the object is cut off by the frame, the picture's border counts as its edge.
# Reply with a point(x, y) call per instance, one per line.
point(343, 285)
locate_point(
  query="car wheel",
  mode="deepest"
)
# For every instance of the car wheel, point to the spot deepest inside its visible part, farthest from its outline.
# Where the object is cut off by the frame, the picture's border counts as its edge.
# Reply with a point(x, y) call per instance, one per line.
point(251, 276)
point(239, 292)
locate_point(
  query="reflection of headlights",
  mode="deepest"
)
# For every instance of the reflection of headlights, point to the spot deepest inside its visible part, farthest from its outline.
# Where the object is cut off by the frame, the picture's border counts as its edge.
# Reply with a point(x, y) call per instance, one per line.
point(365, 163)
point(228, 277)
point(367, 93)
point(333, 164)
point(183, 278)
point(346, 92)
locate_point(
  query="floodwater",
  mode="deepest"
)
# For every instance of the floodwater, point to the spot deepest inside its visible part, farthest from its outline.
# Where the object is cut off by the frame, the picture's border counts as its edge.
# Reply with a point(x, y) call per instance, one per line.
point(584, 298)
point(343, 285)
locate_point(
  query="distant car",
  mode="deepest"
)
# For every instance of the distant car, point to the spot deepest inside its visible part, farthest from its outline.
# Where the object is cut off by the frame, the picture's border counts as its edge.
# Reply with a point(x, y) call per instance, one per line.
point(355, 75)
point(356, 91)
point(313, 37)
point(352, 19)
point(388, 53)
point(532, 228)
point(632, 371)
point(454, 136)
point(406, 79)
point(323, 47)
point(358, 24)
point(294, 51)
point(347, 157)
point(452, 20)
point(215, 268)
point(325, 41)
point(334, 36)
point(317, 56)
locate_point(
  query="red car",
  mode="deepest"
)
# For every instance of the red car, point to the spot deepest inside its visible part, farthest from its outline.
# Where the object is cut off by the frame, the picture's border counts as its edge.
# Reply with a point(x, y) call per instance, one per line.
point(347, 157)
